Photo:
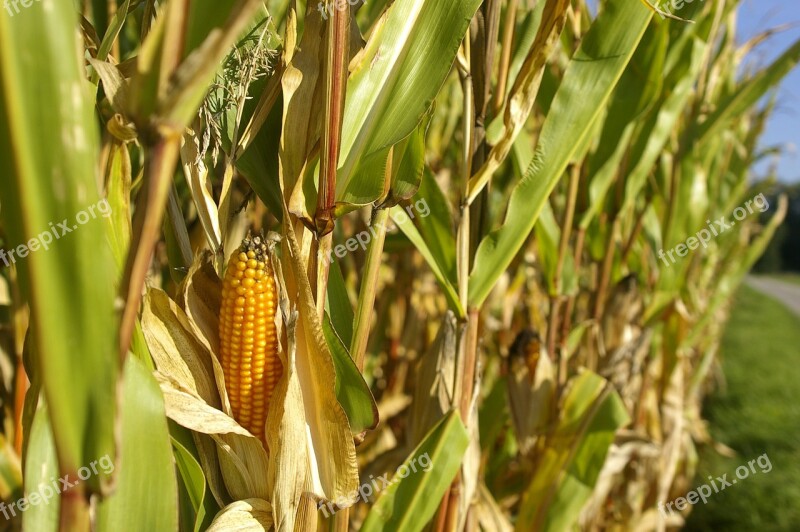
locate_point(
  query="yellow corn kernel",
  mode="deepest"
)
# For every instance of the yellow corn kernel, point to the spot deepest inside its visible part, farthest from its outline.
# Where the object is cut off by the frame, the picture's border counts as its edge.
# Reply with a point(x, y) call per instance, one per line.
point(248, 339)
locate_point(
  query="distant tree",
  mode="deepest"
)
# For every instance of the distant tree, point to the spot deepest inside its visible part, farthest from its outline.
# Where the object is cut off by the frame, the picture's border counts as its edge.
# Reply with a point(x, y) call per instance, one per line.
point(783, 253)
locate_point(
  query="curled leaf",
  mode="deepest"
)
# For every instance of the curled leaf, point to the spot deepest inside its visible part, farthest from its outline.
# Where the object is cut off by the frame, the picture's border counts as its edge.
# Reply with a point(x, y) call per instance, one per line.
point(190, 411)
point(177, 352)
point(248, 515)
point(330, 442)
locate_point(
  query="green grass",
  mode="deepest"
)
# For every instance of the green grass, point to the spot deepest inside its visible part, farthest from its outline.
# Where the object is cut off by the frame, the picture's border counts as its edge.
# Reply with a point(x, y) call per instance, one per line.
point(758, 412)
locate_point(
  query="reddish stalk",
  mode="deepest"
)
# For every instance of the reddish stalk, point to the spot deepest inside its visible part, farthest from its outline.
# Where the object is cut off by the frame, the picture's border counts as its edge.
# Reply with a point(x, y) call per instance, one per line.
point(21, 317)
point(324, 218)
point(336, 81)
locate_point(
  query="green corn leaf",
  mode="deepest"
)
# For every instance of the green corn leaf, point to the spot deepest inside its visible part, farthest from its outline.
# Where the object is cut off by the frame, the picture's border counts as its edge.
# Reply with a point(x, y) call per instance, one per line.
point(586, 87)
point(638, 89)
point(41, 470)
point(750, 92)
point(573, 455)
point(113, 31)
point(351, 389)
point(429, 253)
point(48, 159)
point(416, 490)
point(408, 163)
point(338, 305)
point(146, 495)
point(198, 507)
point(655, 133)
point(393, 83)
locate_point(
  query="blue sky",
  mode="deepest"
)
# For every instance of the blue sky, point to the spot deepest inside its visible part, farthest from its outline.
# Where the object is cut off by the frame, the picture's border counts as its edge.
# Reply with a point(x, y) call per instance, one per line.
point(783, 129)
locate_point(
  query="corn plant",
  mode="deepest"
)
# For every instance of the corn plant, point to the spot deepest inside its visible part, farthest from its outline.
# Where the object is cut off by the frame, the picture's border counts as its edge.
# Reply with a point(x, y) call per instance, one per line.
point(409, 265)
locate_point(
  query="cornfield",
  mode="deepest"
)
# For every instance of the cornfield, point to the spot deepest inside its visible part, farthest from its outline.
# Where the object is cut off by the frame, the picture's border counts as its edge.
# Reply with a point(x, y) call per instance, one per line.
point(388, 265)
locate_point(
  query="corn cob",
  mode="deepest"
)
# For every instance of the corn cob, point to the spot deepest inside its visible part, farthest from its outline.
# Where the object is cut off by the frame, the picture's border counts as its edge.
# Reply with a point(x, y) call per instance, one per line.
point(248, 339)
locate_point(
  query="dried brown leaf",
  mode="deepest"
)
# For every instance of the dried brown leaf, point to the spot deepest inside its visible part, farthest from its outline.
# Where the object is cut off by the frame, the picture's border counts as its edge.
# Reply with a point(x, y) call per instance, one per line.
point(177, 352)
point(248, 515)
point(330, 443)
